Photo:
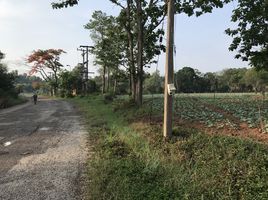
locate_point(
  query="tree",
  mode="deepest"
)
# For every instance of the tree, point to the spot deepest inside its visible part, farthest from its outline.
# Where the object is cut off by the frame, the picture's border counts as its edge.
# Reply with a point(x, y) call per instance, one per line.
point(26, 82)
point(7, 79)
point(212, 80)
point(185, 79)
point(109, 45)
point(250, 37)
point(2, 55)
point(141, 20)
point(46, 59)
point(257, 79)
point(67, 83)
point(154, 84)
point(234, 79)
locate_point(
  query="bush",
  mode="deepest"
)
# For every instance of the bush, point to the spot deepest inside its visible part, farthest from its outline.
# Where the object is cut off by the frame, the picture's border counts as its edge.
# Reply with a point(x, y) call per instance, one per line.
point(66, 93)
point(109, 97)
point(8, 101)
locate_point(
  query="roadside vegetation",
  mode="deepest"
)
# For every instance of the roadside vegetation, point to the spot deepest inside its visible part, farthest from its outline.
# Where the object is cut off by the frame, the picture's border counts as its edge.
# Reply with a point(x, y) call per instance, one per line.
point(130, 159)
point(8, 93)
point(219, 145)
point(17, 88)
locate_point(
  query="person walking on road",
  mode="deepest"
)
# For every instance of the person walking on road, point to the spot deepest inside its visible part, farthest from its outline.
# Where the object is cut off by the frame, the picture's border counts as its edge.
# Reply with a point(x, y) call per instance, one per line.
point(35, 98)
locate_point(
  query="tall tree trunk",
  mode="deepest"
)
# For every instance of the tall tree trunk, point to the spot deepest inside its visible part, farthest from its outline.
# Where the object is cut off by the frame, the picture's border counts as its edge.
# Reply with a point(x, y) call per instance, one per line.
point(108, 79)
point(131, 51)
point(130, 85)
point(115, 85)
point(140, 54)
point(103, 79)
point(56, 83)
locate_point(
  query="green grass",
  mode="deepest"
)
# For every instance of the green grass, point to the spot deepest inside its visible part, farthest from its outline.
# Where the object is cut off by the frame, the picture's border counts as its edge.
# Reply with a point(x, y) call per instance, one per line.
point(132, 161)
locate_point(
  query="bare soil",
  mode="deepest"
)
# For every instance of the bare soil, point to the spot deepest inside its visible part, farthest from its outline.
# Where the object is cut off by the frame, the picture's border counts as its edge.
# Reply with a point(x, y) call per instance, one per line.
point(242, 130)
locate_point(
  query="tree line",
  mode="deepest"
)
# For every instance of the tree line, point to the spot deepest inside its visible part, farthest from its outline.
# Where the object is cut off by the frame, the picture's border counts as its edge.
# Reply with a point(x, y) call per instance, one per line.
point(7, 79)
point(12, 84)
point(187, 80)
point(69, 83)
point(126, 44)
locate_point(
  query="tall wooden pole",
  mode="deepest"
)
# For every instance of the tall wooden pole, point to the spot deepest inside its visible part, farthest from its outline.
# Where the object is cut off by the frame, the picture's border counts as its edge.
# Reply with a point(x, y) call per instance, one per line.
point(169, 71)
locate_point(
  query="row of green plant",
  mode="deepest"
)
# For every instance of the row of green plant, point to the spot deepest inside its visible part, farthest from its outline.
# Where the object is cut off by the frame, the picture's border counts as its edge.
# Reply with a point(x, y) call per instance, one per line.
point(132, 161)
point(253, 111)
point(222, 110)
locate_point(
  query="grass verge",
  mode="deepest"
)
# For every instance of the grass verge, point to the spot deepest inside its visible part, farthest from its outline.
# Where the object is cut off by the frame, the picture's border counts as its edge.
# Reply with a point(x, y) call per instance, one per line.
point(131, 161)
point(9, 101)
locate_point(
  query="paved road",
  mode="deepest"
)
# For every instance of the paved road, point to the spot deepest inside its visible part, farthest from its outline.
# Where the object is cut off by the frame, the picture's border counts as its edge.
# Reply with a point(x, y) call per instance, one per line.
point(42, 151)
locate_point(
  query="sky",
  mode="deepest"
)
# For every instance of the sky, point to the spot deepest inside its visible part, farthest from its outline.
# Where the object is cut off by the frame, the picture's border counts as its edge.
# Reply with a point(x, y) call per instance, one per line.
point(32, 24)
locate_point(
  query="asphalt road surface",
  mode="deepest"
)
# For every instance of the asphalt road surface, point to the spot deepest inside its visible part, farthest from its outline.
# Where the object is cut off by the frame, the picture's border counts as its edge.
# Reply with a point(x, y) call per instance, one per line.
point(42, 151)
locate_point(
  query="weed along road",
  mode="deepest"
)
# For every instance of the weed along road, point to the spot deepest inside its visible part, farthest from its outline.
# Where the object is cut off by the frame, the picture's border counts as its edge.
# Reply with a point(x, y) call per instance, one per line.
point(42, 151)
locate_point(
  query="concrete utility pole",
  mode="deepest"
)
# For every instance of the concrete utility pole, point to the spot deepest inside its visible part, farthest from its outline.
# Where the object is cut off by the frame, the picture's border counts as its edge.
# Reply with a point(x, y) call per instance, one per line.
point(169, 86)
point(85, 53)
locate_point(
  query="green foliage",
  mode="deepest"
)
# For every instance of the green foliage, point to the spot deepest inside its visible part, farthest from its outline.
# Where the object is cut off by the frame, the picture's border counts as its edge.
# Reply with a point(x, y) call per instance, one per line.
point(138, 164)
point(250, 37)
point(8, 100)
point(2, 55)
point(198, 7)
point(247, 109)
point(64, 4)
point(186, 80)
point(8, 91)
point(108, 98)
point(49, 59)
point(212, 81)
point(189, 80)
point(92, 86)
point(154, 84)
point(68, 82)
point(234, 78)
point(109, 45)
point(219, 111)
point(133, 39)
point(257, 79)
point(27, 83)
point(7, 80)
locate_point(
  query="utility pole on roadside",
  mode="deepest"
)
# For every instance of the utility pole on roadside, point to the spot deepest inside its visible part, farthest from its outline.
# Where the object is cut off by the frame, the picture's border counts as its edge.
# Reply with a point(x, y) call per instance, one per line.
point(169, 82)
point(85, 52)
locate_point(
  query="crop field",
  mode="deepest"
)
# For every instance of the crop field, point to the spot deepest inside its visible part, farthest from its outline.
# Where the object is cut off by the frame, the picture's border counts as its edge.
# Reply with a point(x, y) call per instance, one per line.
point(218, 112)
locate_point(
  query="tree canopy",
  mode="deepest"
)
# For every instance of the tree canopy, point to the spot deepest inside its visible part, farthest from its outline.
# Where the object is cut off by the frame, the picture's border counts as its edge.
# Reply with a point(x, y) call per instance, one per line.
point(7, 80)
point(250, 37)
point(140, 19)
point(42, 60)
